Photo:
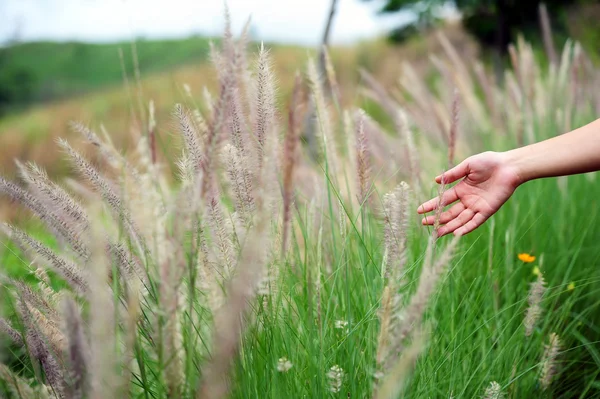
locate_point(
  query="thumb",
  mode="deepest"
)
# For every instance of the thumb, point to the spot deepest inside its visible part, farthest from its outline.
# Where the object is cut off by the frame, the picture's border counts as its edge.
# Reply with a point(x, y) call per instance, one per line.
point(457, 172)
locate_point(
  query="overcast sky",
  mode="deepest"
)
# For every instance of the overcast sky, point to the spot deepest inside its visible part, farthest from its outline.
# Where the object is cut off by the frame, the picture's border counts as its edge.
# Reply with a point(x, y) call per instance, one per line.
point(295, 21)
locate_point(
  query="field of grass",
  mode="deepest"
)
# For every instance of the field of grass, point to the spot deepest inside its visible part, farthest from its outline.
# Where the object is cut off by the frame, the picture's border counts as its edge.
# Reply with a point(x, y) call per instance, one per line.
point(268, 270)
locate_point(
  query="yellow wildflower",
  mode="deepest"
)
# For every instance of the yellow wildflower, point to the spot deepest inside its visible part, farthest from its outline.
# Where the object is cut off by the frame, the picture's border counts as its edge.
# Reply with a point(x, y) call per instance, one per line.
point(571, 286)
point(526, 258)
point(536, 271)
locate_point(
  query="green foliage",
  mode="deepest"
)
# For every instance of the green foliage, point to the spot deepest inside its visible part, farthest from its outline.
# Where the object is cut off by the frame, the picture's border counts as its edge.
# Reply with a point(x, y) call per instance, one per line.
point(495, 23)
point(41, 71)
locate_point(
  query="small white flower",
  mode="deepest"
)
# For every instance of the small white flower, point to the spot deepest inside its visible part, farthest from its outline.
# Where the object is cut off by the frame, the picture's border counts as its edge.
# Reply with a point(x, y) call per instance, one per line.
point(378, 375)
point(283, 365)
point(335, 376)
point(341, 324)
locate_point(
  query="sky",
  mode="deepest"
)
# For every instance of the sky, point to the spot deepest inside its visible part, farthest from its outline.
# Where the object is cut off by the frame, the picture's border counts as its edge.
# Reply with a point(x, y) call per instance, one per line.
point(289, 21)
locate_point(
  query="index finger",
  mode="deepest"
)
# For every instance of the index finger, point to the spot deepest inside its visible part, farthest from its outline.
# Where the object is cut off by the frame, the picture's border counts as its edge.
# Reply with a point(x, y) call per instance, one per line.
point(448, 197)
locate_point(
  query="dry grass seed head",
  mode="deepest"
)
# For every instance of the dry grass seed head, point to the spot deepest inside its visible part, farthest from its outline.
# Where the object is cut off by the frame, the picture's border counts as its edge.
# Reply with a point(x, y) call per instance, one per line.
point(549, 361)
point(534, 300)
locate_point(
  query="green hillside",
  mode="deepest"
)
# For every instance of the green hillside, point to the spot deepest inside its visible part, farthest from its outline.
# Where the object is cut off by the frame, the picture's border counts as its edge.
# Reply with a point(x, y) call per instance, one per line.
point(40, 71)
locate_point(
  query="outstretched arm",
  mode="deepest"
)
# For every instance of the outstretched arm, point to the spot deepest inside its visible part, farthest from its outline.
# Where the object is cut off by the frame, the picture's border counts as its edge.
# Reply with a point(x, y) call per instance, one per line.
point(490, 178)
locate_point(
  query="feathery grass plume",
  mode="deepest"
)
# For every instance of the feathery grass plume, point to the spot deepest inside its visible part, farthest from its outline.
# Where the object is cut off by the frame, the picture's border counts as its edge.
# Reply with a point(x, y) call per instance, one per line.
point(209, 279)
point(396, 216)
point(410, 150)
point(488, 91)
point(78, 350)
point(453, 129)
point(103, 186)
point(48, 329)
point(243, 72)
point(244, 200)
point(424, 103)
point(335, 377)
point(385, 318)
point(228, 42)
point(463, 80)
point(363, 165)
point(32, 298)
point(229, 321)
point(13, 334)
point(379, 93)
point(265, 100)
point(236, 122)
point(208, 100)
point(325, 145)
point(45, 286)
point(431, 273)
point(290, 158)
point(55, 196)
point(240, 138)
point(108, 152)
point(50, 219)
point(38, 349)
point(439, 207)
point(493, 391)
point(220, 110)
point(349, 134)
point(224, 244)
point(534, 299)
point(20, 388)
point(549, 361)
point(65, 268)
point(393, 382)
point(129, 266)
point(331, 77)
point(547, 33)
point(193, 148)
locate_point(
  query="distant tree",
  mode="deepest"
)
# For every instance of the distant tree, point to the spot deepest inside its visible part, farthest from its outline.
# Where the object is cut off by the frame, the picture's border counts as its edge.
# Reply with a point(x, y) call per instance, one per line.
point(495, 23)
point(17, 84)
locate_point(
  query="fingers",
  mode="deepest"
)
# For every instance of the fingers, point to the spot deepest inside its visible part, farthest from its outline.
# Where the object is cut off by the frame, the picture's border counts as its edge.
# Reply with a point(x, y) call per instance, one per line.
point(462, 219)
point(457, 172)
point(448, 197)
point(471, 225)
point(447, 216)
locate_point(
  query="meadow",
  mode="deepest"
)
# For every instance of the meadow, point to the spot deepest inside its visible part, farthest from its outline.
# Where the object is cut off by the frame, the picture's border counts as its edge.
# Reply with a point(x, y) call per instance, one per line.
point(229, 252)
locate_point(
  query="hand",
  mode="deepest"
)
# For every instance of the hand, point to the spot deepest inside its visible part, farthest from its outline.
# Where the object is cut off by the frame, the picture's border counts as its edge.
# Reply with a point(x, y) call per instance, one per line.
point(489, 181)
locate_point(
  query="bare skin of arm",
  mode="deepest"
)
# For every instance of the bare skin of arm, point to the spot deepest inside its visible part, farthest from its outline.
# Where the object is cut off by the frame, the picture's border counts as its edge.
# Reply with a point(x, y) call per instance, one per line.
point(490, 178)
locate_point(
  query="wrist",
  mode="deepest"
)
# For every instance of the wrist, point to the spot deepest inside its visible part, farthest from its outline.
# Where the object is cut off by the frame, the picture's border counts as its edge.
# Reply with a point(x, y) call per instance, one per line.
point(514, 162)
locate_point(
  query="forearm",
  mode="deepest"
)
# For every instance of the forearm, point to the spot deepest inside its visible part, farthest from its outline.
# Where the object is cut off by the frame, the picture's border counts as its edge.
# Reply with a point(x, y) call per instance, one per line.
point(575, 152)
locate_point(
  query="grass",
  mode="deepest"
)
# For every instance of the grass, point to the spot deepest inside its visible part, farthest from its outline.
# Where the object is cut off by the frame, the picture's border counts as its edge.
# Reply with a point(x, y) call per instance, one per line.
point(228, 307)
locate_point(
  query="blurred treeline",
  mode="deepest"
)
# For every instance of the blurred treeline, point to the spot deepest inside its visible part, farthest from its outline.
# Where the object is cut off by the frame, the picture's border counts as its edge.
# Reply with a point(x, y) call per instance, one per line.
point(41, 71)
point(35, 72)
point(497, 23)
